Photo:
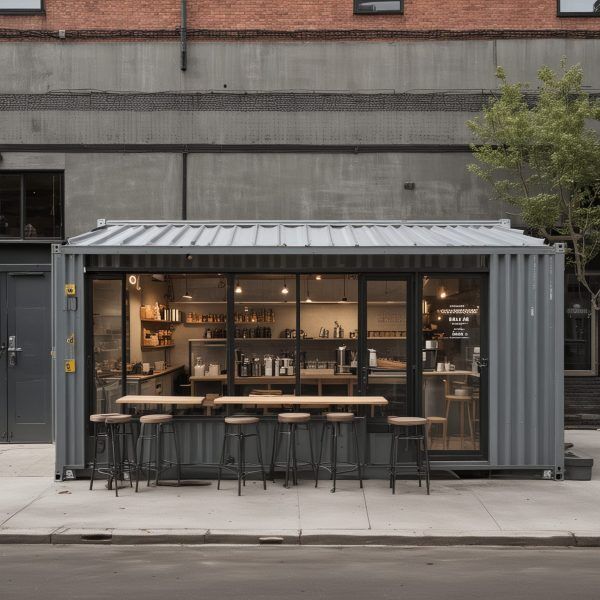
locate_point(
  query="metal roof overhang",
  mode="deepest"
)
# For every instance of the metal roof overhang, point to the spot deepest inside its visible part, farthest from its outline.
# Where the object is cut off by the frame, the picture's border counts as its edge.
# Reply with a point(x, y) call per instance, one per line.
point(306, 238)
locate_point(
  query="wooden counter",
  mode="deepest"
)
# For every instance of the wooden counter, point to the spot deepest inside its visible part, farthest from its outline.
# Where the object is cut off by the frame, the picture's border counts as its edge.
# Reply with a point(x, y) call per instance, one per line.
point(162, 400)
point(302, 400)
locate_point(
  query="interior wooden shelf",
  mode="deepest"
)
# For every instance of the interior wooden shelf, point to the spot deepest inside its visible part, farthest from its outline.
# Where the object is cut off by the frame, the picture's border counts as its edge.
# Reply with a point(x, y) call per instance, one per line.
point(161, 321)
point(158, 347)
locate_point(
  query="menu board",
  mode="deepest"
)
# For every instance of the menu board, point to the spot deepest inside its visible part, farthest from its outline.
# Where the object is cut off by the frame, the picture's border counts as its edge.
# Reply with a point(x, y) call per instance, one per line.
point(457, 320)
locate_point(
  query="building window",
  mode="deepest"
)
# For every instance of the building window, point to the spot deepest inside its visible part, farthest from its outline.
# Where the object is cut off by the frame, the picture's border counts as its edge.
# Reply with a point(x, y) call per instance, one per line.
point(579, 8)
point(580, 329)
point(21, 6)
point(379, 7)
point(31, 205)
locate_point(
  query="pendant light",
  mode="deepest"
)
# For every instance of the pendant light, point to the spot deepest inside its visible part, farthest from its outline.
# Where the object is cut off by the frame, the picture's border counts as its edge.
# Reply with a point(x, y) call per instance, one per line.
point(344, 297)
point(318, 277)
point(238, 288)
point(187, 294)
point(442, 293)
point(307, 293)
point(284, 289)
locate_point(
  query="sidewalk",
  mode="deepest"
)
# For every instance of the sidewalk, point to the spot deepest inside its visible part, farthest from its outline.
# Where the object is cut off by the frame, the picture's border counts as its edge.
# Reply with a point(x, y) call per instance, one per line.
point(35, 509)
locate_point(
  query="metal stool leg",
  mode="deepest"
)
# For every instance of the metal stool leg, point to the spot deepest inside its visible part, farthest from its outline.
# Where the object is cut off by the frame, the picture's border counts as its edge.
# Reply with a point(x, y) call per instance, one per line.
point(222, 461)
point(288, 456)
point(114, 469)
point(395, 441)
point(356, 449)
point(320, 454)
point(239, 473)
point(140, 455)
point(426, 452)
point(177, 456)
point(274, 452)
point(260, 458)
point(294, 428)
point(335, 434)
point(95, 459)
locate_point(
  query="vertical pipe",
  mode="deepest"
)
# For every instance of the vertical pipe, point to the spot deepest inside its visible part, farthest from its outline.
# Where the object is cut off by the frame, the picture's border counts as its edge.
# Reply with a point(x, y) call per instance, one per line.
point(184, 185)
point(183, 33)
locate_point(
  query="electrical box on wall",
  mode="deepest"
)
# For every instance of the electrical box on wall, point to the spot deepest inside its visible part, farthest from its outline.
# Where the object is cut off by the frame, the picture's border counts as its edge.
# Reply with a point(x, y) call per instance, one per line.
point(70, 289)
point(70, 365)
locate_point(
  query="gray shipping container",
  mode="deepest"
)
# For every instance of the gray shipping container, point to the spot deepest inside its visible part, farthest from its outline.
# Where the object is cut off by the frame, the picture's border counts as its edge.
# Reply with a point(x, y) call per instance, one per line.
point(526, 281)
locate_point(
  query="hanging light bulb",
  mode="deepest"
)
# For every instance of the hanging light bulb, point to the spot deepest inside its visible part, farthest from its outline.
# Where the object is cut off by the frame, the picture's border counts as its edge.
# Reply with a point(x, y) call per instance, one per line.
point(187, 294)
point(344, 297)
point(307, 292)
point(284, 289)
point(238, 288)
point(442, 293)
point(318, 277)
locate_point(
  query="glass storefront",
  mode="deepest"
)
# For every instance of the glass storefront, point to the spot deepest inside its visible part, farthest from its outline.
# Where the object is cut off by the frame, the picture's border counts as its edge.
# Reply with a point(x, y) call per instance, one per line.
point(317, 334)
point(580, 327)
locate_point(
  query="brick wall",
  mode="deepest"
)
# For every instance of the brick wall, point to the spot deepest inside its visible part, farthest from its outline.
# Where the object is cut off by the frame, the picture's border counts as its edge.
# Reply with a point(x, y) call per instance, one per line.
point(288, 15)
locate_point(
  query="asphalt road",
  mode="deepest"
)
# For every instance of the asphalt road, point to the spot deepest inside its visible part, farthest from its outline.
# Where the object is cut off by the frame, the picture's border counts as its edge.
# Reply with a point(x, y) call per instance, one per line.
point(220, 572)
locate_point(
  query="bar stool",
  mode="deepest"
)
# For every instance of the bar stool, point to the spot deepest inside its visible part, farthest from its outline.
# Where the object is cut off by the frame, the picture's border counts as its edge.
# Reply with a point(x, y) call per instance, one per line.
point(333, 422)
point(234, 428)
point(431, 421)
point(409, 429)
point(152, 429)
point(111, 427)
point(287, 424)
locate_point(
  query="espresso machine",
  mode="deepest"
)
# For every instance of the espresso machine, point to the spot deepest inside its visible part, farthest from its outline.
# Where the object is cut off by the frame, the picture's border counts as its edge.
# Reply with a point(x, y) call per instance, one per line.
point(342, 360)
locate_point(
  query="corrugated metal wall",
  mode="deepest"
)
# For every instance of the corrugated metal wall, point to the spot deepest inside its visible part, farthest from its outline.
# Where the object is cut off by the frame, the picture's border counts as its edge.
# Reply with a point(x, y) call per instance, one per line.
point(526, 360)
point(525, 367)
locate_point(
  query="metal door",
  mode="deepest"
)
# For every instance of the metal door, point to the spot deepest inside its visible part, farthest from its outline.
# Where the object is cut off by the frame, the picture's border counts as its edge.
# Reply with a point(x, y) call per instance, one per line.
point(25, 343)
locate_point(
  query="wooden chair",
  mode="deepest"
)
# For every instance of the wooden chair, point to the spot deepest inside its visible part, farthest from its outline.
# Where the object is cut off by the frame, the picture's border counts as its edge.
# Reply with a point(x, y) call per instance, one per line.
point(463, 402)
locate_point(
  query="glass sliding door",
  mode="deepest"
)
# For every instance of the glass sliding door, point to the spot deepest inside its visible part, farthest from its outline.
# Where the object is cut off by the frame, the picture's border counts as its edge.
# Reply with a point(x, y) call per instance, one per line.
point(107, 344)
point(451, 355)
point(386, 336)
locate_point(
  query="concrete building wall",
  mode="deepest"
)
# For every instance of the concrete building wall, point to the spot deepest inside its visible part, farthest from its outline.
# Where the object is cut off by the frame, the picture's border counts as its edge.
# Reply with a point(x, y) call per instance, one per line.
point(40, 67)
point(343, 186)
point(120, 186)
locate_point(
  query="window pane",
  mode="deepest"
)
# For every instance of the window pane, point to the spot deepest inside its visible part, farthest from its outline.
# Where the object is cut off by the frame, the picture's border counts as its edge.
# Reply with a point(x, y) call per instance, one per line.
point(578, 327)
point(20, 4)
point(43, 209)
point(450, 354)
point(10, 205)
point(580, 6)
point(370, 6)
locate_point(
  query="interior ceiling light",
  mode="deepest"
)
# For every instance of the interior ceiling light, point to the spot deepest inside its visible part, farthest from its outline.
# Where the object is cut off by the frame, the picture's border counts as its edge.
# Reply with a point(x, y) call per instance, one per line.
point(344, 297)
point(442, 293)
point(307, 292)
point(132, 279)
point(187, 294)
point(284, 289)
point(318, 277)
point(238, 288)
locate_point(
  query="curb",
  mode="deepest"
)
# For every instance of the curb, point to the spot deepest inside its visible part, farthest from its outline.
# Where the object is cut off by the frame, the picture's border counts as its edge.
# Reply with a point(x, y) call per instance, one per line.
point(294, 538)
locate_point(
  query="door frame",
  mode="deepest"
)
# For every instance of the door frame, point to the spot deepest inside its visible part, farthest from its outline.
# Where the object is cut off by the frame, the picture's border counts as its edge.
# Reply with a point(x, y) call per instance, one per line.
point(3, 359)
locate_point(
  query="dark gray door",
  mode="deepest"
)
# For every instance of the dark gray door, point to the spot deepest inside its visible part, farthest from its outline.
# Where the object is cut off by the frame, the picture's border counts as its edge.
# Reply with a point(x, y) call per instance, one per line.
point(26, 358)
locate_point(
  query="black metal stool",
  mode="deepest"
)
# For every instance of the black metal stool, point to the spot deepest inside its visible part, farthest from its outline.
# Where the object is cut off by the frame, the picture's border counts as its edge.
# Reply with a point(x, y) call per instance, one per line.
point(409, 429)
point(152, 429)
point(112, 428)
point(333, 423)
point(287, 424)
point(234, 427)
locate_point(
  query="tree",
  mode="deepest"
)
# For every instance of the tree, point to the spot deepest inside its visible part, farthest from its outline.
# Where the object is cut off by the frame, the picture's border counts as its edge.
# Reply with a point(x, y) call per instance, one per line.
point(541, 153)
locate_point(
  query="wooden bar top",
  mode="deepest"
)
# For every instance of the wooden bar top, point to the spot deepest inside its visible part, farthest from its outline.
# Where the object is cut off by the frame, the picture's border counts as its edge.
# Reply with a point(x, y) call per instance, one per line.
point(449, 373)
point(302, 400)
point(189, 400)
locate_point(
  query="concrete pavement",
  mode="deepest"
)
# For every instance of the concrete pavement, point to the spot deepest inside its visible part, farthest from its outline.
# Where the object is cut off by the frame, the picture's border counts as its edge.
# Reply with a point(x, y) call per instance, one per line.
point(33, 508)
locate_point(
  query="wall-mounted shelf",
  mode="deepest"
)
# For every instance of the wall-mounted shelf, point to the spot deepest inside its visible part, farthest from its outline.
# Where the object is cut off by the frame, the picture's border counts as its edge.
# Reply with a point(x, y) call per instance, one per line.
point(160, 321)
point(161, 347)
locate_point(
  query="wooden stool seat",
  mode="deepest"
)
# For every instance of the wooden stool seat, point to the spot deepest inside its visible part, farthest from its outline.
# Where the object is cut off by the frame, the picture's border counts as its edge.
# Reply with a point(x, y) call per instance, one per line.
point(436, 419)
point(118, 419)
point(101, 417)
point(339, 417)
point(155, 419)
point(293, 417)
point(443, 421)
point(242, 420)
point(406, 421)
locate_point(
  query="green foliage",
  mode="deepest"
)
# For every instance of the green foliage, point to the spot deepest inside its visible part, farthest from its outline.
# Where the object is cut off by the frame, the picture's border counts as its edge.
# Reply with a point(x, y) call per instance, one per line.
point(540, 153)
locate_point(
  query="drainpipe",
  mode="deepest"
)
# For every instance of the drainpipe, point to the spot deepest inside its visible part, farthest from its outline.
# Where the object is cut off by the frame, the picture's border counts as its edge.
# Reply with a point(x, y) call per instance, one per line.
point(183, 35)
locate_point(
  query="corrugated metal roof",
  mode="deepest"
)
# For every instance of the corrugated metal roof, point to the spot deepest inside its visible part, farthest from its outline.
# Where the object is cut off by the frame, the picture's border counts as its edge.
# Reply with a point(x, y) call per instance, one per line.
point(302, 237)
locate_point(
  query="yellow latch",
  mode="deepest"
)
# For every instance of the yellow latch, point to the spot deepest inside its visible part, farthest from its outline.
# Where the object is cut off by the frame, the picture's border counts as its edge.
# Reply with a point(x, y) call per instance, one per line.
point(70, 365)
point(70, 289)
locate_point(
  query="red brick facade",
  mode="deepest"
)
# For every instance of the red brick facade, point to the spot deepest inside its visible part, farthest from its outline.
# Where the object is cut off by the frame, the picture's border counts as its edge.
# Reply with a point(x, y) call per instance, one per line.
point(292, 15)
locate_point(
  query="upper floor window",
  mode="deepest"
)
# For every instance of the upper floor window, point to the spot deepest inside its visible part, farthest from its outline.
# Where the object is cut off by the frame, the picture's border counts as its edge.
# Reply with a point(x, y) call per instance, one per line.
point(31, 206)
point(380, 7)
point(21, 6)
point(579, 8)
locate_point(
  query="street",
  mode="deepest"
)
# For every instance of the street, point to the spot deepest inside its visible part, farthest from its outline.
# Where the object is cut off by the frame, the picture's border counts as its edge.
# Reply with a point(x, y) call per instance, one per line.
point(180, 572)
